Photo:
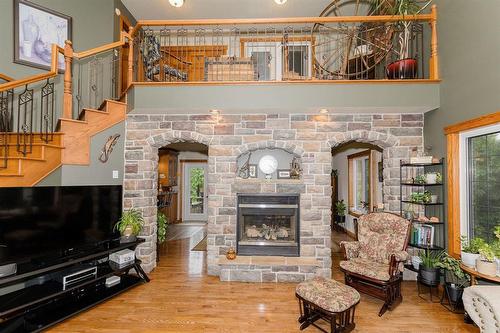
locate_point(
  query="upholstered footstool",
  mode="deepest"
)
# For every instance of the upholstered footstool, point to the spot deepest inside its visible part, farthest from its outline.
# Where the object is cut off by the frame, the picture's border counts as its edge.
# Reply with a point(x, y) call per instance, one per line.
point(327, 299)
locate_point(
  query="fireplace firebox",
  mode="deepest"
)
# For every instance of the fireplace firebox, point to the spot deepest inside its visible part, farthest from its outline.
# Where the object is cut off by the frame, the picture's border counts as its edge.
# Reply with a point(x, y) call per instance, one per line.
point(268, 225)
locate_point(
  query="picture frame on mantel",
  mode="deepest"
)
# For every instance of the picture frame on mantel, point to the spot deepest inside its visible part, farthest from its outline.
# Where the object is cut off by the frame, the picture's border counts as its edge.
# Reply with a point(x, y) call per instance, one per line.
point(36, 28)
point(253, 171)
point(283, 174)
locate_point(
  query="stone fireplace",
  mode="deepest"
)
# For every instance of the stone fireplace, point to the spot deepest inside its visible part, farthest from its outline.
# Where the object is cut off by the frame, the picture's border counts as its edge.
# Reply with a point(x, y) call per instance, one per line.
point(309, 137)
point(268, 225)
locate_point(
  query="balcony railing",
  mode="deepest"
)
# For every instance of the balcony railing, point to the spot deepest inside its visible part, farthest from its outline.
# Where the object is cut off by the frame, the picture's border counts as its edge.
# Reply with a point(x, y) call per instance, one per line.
point(324, 49)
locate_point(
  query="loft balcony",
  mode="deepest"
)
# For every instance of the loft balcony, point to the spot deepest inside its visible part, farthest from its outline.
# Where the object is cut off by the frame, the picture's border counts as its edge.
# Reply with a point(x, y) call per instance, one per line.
point(365, 64)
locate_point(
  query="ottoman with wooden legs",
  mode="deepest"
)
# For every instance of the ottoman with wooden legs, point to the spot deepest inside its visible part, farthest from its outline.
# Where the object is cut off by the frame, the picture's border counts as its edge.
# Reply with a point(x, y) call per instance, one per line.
point(329, 300)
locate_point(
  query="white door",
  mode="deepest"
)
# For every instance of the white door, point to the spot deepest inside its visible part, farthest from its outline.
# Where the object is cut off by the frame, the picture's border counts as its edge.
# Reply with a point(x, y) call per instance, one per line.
point(194, 192)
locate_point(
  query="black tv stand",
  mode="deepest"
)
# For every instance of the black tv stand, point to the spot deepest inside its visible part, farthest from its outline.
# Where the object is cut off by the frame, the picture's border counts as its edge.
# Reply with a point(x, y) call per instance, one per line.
point(39, 305)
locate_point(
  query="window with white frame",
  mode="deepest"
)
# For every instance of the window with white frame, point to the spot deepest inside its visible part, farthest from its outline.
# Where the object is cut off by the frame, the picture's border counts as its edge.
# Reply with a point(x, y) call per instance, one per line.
point(480, 181)
point(273, 61)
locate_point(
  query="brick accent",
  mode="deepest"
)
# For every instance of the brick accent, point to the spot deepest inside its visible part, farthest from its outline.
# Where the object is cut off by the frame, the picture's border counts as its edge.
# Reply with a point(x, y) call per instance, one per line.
point(310, 137)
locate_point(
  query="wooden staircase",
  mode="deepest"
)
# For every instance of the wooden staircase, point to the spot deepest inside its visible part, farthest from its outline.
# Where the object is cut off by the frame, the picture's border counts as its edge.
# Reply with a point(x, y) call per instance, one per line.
point(70, 146)
point(77, 133)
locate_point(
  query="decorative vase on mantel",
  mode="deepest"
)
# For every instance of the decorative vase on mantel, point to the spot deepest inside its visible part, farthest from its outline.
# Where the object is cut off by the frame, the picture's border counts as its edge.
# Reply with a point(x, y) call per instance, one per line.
point(231, 254)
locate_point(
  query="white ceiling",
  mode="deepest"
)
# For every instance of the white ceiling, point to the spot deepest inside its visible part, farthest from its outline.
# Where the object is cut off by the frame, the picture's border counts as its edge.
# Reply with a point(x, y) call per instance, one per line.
point(201, 9)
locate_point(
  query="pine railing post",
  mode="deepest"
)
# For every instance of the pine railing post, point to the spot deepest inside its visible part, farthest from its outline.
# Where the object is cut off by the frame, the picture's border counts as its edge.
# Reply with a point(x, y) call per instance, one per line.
point(434, 60)
point(68, 88)
point(130, 73)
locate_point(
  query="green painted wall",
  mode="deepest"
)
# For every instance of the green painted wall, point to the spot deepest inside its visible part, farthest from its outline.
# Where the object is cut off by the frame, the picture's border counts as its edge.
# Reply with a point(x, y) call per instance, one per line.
point(469, 49)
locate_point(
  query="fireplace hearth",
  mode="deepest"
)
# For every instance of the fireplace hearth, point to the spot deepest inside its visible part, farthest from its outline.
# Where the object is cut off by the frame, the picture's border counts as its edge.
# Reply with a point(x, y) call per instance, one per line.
point(268, 225)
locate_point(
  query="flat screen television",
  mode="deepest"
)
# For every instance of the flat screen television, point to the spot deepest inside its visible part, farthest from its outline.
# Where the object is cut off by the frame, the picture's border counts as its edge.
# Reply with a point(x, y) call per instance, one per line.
point(50, 221)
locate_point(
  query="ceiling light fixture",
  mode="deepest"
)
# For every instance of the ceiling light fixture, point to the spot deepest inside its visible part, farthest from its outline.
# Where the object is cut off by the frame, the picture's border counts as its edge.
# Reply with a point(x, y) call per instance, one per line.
point(323, 111)
point(214, 112)
point(176, 3)
point(280, 2)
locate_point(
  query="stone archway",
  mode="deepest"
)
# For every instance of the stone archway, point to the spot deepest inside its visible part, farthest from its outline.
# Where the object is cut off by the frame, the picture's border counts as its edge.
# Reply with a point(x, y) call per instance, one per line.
point(141, 181)
point(392, 154)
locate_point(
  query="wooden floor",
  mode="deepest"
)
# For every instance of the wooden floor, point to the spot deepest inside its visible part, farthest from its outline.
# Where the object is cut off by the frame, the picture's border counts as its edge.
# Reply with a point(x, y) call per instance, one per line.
point(182, 298)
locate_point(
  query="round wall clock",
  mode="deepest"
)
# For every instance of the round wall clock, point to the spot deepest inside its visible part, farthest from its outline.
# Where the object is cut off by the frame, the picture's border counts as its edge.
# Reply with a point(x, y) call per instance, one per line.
point(268, 164)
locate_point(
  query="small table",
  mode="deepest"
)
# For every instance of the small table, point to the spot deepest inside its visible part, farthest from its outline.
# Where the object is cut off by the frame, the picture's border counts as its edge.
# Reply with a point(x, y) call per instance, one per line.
point(475, 275)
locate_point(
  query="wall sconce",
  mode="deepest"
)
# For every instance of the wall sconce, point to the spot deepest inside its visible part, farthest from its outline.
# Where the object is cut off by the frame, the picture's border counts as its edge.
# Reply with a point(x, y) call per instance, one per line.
point(176, 3)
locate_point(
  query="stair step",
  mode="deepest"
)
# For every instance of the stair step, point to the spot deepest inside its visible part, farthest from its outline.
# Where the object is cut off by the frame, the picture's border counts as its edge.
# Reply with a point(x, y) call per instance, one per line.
point(12, 138)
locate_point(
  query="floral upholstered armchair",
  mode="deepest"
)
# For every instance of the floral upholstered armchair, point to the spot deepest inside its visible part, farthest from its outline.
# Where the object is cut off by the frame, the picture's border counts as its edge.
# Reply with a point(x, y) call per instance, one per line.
point(374, 263)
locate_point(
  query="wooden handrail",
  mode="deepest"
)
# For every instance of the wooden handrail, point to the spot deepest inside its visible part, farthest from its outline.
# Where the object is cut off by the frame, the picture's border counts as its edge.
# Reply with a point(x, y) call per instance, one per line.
point(283, 20)
point(6, 78)
point(38, 77)
point(100, 49)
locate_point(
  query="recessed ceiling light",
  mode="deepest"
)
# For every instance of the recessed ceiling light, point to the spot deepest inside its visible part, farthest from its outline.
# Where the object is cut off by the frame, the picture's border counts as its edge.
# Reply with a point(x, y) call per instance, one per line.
point(280, 2)
point(176, 3)
point(323, 111)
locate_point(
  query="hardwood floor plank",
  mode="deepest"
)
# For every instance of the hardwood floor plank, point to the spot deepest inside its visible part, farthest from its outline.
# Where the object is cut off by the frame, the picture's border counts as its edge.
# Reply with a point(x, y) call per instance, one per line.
point(182, 298)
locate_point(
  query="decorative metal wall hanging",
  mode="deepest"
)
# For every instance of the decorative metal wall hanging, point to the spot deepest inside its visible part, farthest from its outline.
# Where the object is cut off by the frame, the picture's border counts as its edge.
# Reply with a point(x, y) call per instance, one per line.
point(244, 171)
point(295, 169)
point(108, 148)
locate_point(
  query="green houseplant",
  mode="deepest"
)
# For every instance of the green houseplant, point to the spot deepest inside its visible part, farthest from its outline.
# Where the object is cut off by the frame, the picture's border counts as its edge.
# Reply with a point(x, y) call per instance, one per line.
point(486, 263)
point(341, 210)
point(428, 270)
point(406, 66)
point(455, 278)
point(470, 250)
point(162, 227)
point(420, 197)
point(130, 225)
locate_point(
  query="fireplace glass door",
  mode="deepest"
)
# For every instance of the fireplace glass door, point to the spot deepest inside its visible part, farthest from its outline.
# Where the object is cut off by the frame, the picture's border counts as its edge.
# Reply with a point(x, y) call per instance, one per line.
point(268, 225)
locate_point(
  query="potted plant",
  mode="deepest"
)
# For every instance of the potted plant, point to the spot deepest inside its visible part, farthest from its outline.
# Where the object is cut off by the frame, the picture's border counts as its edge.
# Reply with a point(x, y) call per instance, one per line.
point(470, 250)
point(455, 278)
point(486, 263)
point(129, 225)
point(496, 248)
point(162, 226)
point(406, 66)
point(420, 179)
point(428, 271)
point(341, 210)
point(420, 197)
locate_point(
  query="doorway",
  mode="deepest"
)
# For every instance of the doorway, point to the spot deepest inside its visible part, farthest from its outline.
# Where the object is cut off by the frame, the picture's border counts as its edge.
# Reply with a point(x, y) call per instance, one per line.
point(194, 191)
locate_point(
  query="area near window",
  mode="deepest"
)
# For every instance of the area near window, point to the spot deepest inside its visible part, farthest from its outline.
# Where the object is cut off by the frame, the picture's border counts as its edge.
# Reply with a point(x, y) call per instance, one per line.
point(473, 158)
point(363, 178)
point(480, 174)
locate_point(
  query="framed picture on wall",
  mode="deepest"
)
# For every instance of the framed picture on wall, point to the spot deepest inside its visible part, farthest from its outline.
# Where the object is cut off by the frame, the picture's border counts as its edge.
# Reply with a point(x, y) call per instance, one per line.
point(36, 28)
point(252, 171)
point(283, 174)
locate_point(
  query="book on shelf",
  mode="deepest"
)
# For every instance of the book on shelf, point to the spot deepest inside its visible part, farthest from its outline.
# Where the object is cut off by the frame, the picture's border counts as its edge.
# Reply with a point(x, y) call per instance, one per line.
point(422, 235)
point(421, 160)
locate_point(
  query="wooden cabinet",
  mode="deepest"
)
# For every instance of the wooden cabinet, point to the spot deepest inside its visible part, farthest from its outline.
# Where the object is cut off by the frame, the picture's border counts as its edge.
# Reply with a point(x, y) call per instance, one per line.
point(168, 195)
point(167, 167)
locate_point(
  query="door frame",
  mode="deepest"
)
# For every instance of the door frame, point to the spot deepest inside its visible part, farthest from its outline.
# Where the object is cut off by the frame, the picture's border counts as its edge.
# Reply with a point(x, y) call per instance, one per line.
point(182, 185)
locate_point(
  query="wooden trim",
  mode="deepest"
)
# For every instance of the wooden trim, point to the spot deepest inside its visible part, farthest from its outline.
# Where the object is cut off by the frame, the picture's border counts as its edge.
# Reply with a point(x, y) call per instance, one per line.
point(453, 181)
point(350, 159)
point(434, 59)
point(6, 78)
point(310, 81)
point(286, 20)
point(99, 49)
point(486, 120)
point(453, 174)
point(38, 77)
